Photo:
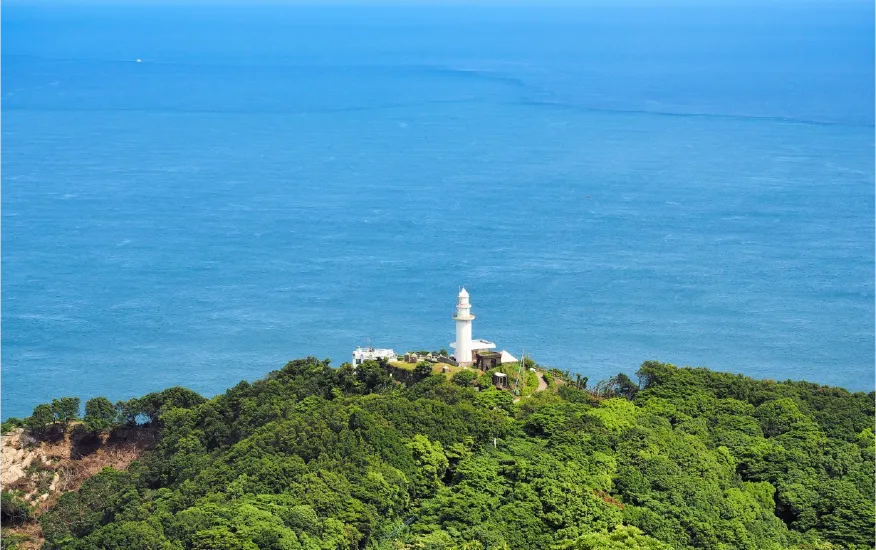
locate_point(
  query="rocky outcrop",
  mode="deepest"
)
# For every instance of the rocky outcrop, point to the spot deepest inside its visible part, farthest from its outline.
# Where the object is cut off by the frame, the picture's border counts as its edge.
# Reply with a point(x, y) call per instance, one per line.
point(26, 465)
point(39, 471)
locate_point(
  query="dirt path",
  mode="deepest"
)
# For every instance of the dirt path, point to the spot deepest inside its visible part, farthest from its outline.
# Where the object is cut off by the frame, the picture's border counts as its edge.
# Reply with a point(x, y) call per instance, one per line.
point(542, 385)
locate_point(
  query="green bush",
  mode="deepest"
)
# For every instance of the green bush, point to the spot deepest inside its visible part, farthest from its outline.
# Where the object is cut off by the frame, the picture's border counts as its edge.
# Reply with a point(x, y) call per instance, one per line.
point(464, 378)
point(14, 510)
point(12, 541)
point(548, 379)
point(10, 424)
point(423, 368)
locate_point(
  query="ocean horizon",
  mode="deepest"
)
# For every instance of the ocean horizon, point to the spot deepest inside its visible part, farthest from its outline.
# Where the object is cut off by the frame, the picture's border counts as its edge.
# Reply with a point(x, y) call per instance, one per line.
point(196, 196)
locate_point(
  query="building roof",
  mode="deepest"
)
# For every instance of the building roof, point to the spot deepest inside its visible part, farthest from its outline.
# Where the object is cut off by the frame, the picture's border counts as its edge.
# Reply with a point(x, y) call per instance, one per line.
point(373, 351)
point(463, 293)
point(482, 344)
point(507, 357)
point(477, 345)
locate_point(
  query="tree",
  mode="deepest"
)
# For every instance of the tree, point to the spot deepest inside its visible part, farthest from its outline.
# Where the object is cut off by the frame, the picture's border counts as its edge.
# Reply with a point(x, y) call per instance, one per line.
point(369, 376)
point(153, 405)
point(432, 461)
point(622, 538)
point(126, 535)
point(653, 373)
point(624, 386)
point(79, 513)
point(128, 411)
point(42, 416)
point(494, 398)
point(779, 416)
point(65, 409)
point(423, 368)
point(314, 457)
point(220, 538)
point(464, 378)
point(100, 415)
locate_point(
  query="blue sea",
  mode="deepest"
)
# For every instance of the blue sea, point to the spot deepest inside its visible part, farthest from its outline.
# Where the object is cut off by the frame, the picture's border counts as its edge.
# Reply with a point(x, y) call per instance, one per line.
point(693, 185)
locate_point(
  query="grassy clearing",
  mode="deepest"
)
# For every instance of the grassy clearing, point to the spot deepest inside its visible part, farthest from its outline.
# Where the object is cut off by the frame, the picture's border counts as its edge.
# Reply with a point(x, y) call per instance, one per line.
point(438, 367)
point(528, 379)
point(403, 365)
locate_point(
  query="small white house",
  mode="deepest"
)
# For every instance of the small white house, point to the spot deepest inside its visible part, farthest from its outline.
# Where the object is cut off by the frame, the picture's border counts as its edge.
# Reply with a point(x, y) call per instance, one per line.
point(373, 354)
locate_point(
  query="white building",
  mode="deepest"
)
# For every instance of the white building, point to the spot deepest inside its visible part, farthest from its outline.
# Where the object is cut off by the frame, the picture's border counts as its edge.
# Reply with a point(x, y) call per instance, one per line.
point(372, 354)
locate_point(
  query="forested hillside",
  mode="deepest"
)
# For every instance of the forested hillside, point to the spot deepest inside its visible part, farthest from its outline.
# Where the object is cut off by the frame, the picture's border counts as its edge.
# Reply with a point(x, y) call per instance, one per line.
point(313, 457)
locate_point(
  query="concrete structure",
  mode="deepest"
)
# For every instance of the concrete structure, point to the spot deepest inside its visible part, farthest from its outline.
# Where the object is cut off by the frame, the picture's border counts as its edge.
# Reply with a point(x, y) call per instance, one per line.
point(372, 354)
point(462, 348)
point(500, 379)
point(482, 345)
point(486, 360)
point(414, 357)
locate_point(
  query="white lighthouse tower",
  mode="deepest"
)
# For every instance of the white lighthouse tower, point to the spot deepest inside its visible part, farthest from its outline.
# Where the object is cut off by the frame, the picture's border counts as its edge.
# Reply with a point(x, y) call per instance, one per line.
point(463, 318)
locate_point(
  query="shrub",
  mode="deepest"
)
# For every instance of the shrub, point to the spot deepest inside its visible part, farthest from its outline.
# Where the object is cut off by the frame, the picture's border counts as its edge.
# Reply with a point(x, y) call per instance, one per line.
point(14, 510)
point(464, 378)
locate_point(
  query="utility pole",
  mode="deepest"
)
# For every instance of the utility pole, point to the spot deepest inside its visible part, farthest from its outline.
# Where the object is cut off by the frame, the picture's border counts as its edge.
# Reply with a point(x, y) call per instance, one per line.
point(519, 368)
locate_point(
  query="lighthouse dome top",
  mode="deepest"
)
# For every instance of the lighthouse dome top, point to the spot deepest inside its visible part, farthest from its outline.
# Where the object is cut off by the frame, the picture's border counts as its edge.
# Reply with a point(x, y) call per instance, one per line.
point(463, 293)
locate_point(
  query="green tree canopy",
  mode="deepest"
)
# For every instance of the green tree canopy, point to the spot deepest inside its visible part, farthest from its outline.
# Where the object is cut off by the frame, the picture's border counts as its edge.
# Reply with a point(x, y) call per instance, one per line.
point(65, 409)
point(313, 457)
point(100, 415)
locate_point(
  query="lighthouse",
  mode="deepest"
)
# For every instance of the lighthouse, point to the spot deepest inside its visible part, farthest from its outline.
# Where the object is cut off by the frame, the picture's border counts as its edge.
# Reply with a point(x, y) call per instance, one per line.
point(468, 352)
point(463, 318)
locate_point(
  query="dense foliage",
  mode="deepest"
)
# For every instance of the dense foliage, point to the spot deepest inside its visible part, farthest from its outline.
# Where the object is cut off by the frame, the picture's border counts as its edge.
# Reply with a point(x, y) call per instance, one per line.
point(313, 457)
